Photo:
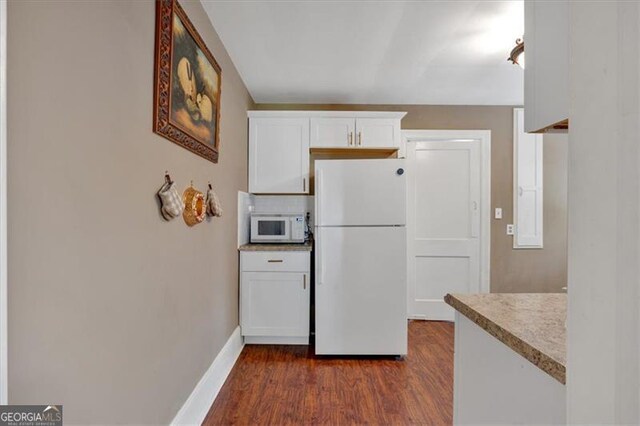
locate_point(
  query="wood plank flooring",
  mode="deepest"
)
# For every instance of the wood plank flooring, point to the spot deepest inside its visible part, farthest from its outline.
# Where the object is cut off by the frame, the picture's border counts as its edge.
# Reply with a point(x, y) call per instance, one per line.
point(289, 385)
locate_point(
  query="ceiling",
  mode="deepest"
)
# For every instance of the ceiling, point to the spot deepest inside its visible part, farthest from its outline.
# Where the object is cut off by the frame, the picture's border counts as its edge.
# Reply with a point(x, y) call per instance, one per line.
point(374, 52)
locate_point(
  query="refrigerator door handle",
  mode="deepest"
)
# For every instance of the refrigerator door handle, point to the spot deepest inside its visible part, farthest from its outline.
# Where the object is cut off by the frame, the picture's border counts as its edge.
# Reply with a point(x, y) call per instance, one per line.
point(318, 220)
point(319, 260)
point(318, 197)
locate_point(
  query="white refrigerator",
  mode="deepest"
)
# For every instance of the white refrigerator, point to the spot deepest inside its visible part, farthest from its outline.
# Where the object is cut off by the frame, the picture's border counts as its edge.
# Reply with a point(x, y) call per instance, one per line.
point(360, 254)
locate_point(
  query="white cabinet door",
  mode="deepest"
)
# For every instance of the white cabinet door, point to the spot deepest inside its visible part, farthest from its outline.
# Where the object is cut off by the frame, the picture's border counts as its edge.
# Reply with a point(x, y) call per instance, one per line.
point(377, 132)
point(332, 132)
point(274, 304)
point(546, 73)
point(279, 155)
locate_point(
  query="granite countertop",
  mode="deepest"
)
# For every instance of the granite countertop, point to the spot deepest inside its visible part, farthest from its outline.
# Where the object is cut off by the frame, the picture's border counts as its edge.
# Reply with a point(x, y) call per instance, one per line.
point(277, 247)
point(531, 324)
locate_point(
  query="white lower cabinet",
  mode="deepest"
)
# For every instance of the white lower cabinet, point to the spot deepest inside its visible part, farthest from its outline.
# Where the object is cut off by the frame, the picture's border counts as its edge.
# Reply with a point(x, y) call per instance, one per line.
point(275, 297)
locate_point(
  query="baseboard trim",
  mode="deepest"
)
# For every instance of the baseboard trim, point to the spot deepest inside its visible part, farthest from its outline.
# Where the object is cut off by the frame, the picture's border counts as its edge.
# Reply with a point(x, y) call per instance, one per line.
point(197, 406)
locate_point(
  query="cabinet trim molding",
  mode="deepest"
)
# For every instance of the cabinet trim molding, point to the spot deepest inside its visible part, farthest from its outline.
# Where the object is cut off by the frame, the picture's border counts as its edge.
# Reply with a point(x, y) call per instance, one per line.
point(326, 114)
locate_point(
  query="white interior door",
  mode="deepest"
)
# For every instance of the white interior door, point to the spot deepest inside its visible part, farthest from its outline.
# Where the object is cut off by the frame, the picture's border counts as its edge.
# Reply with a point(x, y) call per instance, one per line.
point(443, 224)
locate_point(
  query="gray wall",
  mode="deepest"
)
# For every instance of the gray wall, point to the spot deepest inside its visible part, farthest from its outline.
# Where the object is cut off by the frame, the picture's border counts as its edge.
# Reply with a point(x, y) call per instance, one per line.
point(112, 312)
point(522, 271)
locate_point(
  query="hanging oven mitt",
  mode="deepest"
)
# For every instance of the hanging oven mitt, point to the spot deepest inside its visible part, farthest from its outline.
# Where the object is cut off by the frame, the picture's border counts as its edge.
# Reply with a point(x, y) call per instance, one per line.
point(213, 203)
point(172, 205)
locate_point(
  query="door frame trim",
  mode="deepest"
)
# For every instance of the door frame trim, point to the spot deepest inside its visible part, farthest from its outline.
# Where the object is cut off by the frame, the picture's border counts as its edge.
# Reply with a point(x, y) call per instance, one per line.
point(484, 136)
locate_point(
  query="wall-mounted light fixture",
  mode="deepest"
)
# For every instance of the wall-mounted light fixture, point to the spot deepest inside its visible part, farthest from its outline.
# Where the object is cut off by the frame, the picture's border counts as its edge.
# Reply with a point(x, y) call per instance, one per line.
point(517, 54)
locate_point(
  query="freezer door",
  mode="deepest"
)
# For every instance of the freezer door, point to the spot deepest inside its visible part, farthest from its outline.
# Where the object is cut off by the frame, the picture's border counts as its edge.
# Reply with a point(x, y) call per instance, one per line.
point(360, 192)
point(361, 291)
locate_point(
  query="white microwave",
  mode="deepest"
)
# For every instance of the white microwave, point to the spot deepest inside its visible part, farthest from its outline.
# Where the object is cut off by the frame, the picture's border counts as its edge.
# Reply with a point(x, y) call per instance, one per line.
point(277, 228)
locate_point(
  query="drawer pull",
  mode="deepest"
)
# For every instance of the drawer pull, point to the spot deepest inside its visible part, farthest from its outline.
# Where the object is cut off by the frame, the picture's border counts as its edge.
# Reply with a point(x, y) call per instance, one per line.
point(274, 260)
point(304, 282)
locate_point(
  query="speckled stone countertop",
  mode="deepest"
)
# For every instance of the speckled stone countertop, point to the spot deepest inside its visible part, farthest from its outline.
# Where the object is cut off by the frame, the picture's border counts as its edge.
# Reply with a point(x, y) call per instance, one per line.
point(277, 247)
point(532, 324)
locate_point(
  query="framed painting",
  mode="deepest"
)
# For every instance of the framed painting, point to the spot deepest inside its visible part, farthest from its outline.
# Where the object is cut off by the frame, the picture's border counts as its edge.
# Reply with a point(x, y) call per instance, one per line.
point(187, 84)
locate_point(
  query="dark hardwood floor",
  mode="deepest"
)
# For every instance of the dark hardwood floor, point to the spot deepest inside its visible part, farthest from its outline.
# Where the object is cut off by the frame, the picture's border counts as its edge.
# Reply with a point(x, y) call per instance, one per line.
point(281, 385)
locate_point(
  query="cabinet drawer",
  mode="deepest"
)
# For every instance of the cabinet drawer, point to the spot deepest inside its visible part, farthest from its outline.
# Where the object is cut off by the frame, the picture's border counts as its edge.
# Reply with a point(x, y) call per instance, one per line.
point(275, 261)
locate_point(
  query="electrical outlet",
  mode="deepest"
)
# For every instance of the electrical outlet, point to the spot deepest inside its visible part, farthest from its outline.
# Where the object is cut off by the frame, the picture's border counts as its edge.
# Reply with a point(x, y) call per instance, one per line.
point(510, 229)
point(498, 214)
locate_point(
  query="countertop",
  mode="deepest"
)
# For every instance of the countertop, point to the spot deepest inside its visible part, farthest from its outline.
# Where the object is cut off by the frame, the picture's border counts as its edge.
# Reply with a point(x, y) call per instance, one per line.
point(277, 247)
point(531, 324)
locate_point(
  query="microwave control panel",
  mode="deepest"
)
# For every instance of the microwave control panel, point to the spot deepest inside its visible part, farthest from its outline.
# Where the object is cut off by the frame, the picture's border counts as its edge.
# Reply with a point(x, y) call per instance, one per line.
point(297, 229)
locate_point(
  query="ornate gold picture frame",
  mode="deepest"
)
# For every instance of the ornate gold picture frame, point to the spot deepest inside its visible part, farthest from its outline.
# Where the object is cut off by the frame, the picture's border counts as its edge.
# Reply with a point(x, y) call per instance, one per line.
point(188, 83)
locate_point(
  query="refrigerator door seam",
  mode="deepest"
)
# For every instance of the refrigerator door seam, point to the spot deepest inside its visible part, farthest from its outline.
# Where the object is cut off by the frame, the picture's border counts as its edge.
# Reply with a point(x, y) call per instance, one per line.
point(360, 226)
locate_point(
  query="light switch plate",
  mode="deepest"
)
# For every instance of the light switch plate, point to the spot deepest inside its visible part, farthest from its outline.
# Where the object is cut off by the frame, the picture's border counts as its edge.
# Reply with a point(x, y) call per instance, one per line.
point(510, 229)
point(498, 214)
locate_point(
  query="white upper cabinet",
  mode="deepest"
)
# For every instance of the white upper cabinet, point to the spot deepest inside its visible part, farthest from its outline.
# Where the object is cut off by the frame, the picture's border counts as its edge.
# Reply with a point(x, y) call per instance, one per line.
point(378, 132)
point(350, 132)
point(333, 132)
point(279, 155)
point(280, 143)
point(546, 73)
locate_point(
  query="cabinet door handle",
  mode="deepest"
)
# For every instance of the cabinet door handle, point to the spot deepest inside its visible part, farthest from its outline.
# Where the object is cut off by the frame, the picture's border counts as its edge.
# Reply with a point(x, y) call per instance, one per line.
point(304, 184)
point(350, 138)
point(304, 282)
point(274, 260)
point(360, 138)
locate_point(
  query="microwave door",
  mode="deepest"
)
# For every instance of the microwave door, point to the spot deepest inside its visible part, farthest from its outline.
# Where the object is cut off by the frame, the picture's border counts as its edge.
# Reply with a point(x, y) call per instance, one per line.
point(271, 229)
point(287, 230)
